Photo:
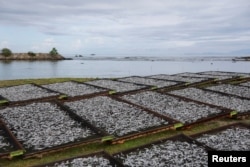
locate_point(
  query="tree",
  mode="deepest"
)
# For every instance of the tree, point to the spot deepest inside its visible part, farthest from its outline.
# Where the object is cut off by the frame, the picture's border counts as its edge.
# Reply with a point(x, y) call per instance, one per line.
point(6, 52)
point(53, 52)
point(31, 54)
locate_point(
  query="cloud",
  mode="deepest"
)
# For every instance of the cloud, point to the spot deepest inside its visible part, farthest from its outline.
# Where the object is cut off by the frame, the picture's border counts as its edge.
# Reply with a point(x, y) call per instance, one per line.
point(4, 44)
point(154, 24)
point(77, 44)
point(45, 46)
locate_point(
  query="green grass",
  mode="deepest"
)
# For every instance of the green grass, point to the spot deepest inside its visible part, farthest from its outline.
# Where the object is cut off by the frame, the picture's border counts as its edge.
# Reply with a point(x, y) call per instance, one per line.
point(99, 146)
point(3, 102)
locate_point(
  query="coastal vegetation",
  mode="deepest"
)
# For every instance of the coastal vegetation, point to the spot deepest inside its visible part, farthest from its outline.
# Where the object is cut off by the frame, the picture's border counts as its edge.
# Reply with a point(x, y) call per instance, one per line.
point(53, 52)
point(32, 54)
point(6, 54)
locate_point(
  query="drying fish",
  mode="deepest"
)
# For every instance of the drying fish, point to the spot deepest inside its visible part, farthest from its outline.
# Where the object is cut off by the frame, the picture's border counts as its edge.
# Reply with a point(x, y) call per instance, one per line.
point(227, 101)
point(4, 144)
point(88, 161)
point(232, 74)
point(178, 78)
point(43, 125)
point(186, 112)
point(188, 74)
point(115, 117)
point(232, 139)
point(115, 85)
point(73, 88)
point(245, 84)
point(169, 153)
point(232, 89)
point(25, 92)
point(148, 81)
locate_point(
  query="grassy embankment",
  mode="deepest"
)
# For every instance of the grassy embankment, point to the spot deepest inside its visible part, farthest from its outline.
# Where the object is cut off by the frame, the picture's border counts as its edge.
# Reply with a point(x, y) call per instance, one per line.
point(81, 150)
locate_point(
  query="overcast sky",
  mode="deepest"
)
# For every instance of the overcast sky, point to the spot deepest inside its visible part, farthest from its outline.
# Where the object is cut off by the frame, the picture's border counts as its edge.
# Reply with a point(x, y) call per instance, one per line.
point(127, 27)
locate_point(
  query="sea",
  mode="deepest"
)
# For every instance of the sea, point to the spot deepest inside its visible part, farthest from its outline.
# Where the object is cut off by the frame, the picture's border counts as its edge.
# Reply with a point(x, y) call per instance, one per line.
point(114, 67)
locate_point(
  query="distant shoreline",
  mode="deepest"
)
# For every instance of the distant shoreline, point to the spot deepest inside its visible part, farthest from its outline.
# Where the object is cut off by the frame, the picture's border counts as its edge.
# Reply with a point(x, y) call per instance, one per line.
point(33, 56)
point(162, 58)
point(242, 59)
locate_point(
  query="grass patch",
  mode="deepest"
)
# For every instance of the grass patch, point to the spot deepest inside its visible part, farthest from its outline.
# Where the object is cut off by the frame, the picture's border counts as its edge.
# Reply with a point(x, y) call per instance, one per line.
point(62, 97)
point(3, 102)
point(239, 82)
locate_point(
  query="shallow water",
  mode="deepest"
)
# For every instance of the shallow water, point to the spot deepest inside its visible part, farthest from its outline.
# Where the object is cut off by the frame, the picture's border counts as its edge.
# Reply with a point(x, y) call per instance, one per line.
point(110, 68)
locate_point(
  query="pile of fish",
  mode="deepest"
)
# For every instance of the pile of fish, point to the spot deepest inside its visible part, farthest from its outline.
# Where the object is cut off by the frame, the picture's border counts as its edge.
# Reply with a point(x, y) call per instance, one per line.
point(206, 96)
point(186, 112)
point(148, 81)
point(73, 89)
point(245, 84)
point(87, 161)
point(169, 153)
point(232, 139)
point(42, 125)
point(25, 92)
point(115, 85)
point(188, 74)
point(114, 117)
point(232, 74)
point(178, 78)
point(4, 144)
point(232, 89)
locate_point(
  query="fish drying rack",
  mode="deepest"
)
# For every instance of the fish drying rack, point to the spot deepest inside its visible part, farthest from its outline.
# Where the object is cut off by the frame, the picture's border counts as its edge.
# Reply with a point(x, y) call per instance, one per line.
point(111, 159)
point(103, 136)
point(16, 149)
